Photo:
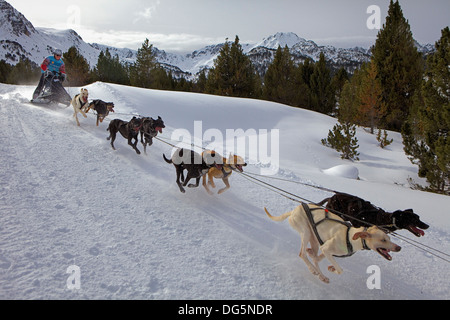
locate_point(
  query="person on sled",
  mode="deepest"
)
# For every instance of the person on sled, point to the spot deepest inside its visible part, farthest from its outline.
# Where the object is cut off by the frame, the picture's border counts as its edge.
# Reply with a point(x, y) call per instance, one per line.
point(54, 64)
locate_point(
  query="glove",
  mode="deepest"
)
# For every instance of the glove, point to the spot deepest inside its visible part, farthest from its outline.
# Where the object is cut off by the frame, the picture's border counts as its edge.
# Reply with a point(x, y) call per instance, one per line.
point(62, 77)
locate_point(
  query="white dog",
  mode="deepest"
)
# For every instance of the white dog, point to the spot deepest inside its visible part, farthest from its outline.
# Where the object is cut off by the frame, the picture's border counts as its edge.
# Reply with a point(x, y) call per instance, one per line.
point(80, 104)
point(337, 238)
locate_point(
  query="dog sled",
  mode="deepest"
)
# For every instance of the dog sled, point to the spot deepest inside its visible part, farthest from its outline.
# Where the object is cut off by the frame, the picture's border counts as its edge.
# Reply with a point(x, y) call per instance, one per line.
point(52, 91)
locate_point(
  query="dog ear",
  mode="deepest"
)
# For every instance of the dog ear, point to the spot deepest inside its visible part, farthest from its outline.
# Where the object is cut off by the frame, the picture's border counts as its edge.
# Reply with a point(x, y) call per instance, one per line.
point(362, 235)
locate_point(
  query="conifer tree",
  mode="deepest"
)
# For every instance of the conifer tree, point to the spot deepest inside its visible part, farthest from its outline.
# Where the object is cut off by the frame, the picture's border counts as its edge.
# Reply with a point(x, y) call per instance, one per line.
point(399, 66)
point(343, 138)
point(426, 133)
point(24, 72)
point(5, 70)
point(279, 81)
point(322, 95)
point(233, 73)
point(371, 107)
point(77, 67)
point(302, 84)
point(110, 69)
point(338, 81)
point(142, 72)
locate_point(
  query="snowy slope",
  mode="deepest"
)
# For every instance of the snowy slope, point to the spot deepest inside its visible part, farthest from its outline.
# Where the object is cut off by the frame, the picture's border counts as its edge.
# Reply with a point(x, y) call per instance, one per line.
point(66, 198)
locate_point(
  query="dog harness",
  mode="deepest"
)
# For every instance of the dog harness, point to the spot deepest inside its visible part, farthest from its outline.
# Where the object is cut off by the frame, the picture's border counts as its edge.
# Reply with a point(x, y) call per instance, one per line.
point(226, 174)
point(78, 96)
point(314, 225)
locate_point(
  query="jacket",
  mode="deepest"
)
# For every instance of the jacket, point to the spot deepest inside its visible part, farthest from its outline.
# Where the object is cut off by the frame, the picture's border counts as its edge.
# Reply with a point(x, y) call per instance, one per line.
point(51, 64)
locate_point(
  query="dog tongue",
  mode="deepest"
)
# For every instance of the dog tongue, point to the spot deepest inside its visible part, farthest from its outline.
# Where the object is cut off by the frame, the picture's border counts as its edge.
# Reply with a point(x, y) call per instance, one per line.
point(417, 231)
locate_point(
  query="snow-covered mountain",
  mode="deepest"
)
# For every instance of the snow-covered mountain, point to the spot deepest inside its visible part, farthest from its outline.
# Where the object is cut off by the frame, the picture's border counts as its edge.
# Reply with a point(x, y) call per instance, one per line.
point(19, 39)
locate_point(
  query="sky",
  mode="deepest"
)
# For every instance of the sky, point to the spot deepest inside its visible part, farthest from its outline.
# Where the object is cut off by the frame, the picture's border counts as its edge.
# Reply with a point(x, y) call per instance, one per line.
point(187, 25)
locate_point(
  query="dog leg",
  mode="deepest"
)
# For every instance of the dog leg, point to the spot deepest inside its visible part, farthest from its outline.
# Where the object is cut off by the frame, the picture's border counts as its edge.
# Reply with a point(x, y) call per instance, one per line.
point(112, 137)
point(180, 175)
point(211, 180)
point(197, 183)
point(328, 253)
point(308, 237)
point(133, 145)
point(227, 186)
point(205, 185)
point(145, 148)
point(76, 119)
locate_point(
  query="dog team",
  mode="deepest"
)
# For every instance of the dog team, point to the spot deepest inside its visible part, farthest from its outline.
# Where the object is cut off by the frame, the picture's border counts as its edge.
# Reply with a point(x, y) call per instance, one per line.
point(346, 225)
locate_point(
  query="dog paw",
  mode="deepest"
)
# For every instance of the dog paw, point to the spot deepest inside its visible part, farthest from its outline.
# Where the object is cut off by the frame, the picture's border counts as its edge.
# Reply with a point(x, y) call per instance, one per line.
point(324, 279)
point(333, 269)
point(313, 271)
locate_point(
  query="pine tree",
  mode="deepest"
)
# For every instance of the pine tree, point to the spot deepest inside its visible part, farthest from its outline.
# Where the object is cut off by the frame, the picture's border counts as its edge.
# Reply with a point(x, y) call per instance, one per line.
point(279, 81)
point(5, 70)
point(302, 84)
point(371, 108)
point(142, 72)
point(24, 72)
point(219, 77)
point(383, 139)
point(233, 73)
point(399, 66)
point(77, 67)
point(426, 133)
point(322, 95)
point(342, 138)
point(200, 85)
point(110, 69)
point(338, 81)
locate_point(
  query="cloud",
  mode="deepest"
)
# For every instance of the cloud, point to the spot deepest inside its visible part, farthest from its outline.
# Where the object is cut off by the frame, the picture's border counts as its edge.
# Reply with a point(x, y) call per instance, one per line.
point(147, 13)
point(174, 42)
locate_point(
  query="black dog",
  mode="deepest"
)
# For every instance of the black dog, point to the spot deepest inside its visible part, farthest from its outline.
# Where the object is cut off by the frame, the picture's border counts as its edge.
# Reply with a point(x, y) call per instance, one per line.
point(348, 206)
point(149, 130)
point(102, 108)
point(194, 163)
point(129, 130)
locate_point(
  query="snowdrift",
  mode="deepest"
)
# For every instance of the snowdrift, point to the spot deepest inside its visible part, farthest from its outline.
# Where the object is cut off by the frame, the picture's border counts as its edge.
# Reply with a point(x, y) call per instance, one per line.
point(67, 199)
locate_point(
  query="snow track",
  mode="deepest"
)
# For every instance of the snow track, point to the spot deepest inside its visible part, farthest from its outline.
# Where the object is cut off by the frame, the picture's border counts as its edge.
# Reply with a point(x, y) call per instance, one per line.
point(66, 198)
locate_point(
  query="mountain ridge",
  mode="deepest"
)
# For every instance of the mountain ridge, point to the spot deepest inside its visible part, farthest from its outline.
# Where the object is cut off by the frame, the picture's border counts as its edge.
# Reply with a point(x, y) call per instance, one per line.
point(19, 40)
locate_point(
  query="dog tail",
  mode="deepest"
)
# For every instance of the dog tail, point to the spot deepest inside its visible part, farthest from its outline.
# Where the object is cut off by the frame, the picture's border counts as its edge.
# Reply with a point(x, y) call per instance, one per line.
point(280, 218)
point(321, 203)
point(167, 160)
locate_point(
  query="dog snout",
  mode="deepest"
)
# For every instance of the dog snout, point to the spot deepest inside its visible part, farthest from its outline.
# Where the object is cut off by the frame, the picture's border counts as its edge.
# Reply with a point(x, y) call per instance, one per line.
point(397, 248)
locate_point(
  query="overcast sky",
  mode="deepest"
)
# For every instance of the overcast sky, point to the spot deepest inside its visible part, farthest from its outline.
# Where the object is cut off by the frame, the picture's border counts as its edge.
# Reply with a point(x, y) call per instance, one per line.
point(187, 25)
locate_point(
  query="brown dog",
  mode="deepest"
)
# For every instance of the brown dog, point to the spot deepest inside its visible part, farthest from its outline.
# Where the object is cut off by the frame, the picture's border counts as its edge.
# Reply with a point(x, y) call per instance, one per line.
point(102, 108)
point(196, 165)
point(128, 129)
point(233, 163)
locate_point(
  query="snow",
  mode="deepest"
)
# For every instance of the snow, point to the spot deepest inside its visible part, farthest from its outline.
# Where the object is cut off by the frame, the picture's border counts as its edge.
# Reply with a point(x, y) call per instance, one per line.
point(345, 171)
point(67, 199)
